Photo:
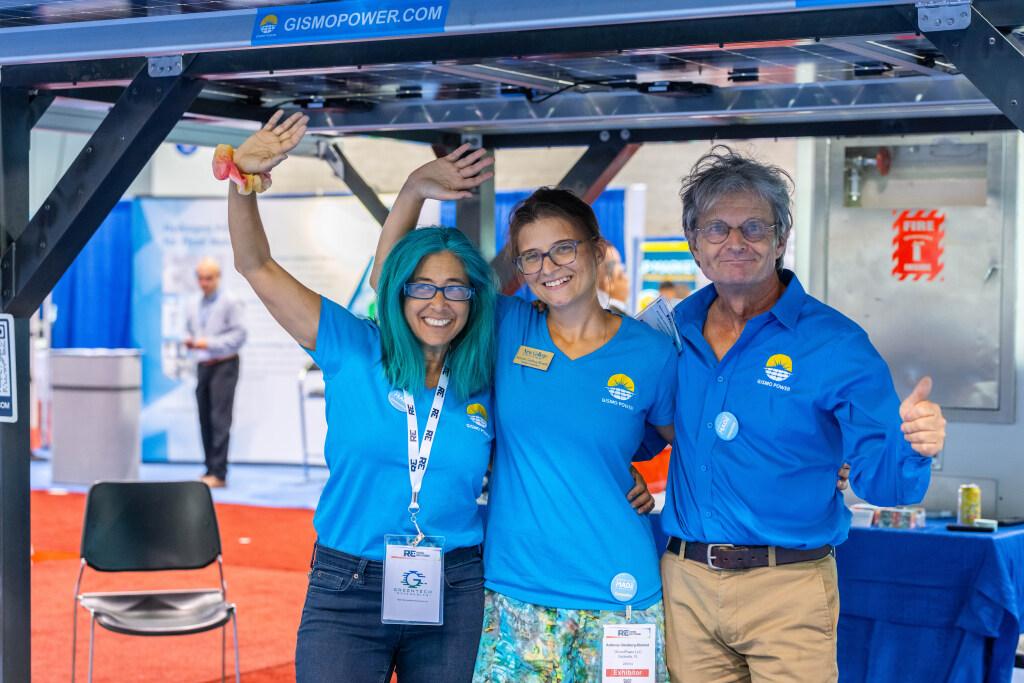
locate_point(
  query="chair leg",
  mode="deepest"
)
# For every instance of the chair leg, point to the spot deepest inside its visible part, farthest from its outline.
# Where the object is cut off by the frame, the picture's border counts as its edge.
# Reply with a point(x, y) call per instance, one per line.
point(92, 638)
point(238, 668)
point(223, 651)
point(74, 637)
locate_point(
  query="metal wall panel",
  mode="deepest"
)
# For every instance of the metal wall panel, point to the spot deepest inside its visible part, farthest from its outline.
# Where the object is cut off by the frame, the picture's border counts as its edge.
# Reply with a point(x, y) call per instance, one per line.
point(951, 318)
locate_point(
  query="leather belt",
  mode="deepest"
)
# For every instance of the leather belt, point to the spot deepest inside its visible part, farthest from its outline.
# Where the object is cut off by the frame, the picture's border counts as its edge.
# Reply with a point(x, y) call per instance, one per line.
point(732, 557)
point(218, 361)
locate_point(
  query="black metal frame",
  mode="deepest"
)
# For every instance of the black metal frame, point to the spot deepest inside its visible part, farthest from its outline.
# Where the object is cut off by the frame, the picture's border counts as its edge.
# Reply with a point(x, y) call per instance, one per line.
point(598, 166)
point(346, 173)
point(136, 125)
point(17, 116)
point(36, 252)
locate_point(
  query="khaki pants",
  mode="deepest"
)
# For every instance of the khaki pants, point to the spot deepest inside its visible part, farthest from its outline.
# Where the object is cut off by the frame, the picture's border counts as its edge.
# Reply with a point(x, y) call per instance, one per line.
point(764, 625)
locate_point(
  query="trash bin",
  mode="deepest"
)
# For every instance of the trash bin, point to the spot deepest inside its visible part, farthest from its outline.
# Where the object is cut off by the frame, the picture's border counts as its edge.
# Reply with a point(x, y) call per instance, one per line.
point(97, 395)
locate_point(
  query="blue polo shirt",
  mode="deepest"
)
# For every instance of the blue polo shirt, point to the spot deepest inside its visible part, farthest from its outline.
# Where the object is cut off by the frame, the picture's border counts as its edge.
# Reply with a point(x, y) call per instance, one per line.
point(367, 493)
point(559, 526)
point(809, 392)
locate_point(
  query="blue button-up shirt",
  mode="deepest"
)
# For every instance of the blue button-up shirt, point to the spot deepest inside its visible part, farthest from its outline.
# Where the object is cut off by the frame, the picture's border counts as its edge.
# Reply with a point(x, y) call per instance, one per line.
point(809, 392)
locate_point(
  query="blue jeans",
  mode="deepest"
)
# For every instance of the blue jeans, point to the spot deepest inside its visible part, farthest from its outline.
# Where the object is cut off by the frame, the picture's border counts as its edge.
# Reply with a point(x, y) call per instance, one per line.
point(341, 637)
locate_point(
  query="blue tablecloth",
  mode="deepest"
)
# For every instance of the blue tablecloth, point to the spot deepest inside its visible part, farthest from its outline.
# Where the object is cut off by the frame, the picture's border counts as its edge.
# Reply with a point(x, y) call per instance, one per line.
point(927, 605)
point(930, 605)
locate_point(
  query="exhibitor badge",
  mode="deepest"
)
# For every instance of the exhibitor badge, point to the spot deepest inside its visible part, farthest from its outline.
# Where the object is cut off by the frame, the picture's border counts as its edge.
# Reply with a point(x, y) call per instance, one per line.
point(627, 653)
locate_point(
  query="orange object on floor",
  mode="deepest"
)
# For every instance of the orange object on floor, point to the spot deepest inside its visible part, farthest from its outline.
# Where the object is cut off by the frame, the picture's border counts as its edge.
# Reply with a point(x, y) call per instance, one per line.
point(655, 470)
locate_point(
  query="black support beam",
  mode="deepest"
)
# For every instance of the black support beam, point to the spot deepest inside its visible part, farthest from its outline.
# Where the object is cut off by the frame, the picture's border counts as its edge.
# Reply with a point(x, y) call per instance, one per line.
point(122, 144)
point(992, 61)
point(346, 172)
point(598, 166)
point(16, 119)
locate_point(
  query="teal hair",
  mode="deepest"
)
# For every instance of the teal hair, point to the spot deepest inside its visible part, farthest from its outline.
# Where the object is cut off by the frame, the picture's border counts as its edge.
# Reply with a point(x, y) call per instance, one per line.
point(471, 354)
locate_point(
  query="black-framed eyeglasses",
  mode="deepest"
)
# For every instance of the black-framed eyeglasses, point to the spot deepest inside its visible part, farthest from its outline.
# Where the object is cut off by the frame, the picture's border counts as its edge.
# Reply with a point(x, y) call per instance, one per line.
point(753, 230)
point(425, 290)
point(561, 254)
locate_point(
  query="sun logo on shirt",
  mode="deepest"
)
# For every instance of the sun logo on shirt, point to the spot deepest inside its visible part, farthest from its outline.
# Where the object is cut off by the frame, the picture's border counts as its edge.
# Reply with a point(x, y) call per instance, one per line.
point(477, 414)
point(621, 387)
point(779, 367)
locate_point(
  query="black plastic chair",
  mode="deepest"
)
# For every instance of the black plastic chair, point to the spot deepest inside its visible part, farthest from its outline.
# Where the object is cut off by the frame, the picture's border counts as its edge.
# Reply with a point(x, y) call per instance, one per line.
point(153, 526)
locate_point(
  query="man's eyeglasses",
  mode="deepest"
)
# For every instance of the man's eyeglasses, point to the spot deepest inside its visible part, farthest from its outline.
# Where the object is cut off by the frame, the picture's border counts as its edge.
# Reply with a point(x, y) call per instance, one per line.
point(561, 254)
point(753, 230)
point(425, 290)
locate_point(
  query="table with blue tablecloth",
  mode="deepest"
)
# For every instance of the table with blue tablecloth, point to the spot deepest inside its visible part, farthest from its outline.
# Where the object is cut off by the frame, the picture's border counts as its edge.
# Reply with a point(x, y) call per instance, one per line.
point(929, 604)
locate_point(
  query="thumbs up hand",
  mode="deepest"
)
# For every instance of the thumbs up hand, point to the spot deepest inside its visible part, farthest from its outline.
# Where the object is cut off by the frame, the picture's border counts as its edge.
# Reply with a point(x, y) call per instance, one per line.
point(923, 425)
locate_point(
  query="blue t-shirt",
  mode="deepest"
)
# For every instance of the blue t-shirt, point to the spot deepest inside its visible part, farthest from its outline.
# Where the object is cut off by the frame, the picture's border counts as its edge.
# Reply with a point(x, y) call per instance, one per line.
point(367, 493)
point(809, 392)
point(559, 526)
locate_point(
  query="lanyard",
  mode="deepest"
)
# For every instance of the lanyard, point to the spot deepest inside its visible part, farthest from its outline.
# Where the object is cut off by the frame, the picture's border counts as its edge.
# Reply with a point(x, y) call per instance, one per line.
point(419, 452)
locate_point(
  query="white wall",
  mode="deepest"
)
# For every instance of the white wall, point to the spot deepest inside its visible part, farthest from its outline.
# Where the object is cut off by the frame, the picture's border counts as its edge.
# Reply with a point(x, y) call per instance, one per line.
point(995, 451)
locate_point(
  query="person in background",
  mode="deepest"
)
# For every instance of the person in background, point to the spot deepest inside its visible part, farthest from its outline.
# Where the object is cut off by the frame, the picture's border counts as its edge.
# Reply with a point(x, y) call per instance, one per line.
point(776, 390)
point(215, 333)
point(671, 293)
point(613, 282)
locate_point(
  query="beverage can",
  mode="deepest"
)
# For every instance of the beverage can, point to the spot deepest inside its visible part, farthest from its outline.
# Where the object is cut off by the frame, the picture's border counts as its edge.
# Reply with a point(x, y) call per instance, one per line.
point(968, 504)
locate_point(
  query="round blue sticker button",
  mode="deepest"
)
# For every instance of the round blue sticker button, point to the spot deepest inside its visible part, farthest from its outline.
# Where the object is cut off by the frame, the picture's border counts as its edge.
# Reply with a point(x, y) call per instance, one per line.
point(623, 587)
point(726, 426)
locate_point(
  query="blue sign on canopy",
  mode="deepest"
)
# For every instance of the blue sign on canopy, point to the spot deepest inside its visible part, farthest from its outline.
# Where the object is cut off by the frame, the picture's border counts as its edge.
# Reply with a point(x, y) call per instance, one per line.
point(348, 21)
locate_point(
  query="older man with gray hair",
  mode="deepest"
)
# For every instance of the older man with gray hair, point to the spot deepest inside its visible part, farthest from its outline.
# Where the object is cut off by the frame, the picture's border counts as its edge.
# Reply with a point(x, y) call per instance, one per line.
point(215, 335)
point(776, 391)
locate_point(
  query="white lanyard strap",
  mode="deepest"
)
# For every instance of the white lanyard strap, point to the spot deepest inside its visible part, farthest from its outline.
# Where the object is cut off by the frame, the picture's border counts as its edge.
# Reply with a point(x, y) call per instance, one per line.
point(419, 451)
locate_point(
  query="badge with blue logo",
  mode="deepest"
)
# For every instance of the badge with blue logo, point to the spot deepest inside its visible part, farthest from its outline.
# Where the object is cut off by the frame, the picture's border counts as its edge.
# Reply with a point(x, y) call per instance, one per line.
point(623, 587)
point(726, 426)
point(413, 580)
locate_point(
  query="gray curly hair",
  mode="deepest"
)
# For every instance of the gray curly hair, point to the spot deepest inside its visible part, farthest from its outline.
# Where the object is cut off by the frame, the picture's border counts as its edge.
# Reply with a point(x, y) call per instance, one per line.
point(721, 172)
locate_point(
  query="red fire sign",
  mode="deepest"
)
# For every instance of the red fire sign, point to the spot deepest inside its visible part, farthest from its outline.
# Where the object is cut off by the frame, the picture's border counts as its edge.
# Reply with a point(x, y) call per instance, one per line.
point(917, 245)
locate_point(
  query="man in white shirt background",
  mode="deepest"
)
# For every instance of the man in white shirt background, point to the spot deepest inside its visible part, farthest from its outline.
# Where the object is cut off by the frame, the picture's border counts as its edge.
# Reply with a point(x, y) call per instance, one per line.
point(215, 333)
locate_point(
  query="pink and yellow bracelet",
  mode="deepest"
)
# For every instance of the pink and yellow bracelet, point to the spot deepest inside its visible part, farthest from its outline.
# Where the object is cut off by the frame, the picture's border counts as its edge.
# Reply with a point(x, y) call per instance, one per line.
point(224, 168)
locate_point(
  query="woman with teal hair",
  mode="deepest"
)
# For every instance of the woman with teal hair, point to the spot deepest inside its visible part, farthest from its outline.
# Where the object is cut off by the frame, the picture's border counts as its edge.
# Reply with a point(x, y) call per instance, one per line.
point(396, 577)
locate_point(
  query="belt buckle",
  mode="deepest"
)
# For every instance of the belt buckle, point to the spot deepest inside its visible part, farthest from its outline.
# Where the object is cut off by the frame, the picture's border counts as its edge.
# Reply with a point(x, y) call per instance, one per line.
point(712, 558)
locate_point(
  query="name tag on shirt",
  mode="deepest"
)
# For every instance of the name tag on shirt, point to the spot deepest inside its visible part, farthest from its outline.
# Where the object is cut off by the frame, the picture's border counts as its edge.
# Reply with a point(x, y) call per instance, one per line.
point(413, 581)
point(533, 358)
point(627, 653)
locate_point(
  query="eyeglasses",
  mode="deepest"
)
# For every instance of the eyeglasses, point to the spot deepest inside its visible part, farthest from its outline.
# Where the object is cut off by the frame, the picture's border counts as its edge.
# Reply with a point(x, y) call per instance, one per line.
point(753, 230)
point(425, 290)
point(561, 254)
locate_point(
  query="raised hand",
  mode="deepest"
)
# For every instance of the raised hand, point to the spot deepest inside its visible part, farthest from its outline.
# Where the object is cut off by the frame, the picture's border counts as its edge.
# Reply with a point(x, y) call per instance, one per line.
point(269, 146)
point(451, 176)
point(923, 425)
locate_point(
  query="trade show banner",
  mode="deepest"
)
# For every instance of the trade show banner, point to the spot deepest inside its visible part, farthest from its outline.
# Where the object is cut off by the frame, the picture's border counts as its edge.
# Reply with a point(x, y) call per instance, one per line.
point(663, 260)
point(325, 242)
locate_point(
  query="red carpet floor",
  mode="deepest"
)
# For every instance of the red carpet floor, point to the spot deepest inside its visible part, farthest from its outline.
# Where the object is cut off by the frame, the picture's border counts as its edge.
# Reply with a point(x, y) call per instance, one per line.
point(266, 556)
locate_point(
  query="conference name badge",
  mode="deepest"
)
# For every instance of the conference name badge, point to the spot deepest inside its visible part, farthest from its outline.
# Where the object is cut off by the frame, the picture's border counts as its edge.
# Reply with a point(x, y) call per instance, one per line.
point(533, 358)
point(627, 653)
point(413, 580)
